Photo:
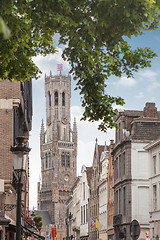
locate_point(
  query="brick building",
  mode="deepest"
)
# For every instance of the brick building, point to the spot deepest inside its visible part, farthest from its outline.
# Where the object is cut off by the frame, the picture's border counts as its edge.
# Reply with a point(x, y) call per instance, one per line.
point(131, 168)
point(94, 191)
point(15, 120)
point(58, 144)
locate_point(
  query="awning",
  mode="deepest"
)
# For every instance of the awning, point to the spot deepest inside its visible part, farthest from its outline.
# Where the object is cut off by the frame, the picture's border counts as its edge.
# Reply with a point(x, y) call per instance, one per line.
point(33, 233)
point(3, 220)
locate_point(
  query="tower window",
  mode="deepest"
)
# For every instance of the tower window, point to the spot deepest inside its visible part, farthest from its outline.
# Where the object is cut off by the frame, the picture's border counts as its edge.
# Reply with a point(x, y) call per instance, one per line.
point(63, 99)
point(46, 161)
point(63, 160)
point(68, 161)
point(49, 156)
point(49, 98)
point(56, 98)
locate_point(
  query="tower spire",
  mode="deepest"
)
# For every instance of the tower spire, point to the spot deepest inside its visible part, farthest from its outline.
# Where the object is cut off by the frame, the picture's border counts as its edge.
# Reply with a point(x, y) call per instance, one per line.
point(42, 133)
point(75, 126)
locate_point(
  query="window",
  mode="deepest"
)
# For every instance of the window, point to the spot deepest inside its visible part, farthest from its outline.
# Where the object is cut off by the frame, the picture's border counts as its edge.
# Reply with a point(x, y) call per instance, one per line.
point(58, 132)
point(119, 201)
point(124, 164)
point(56, 98)
point(116, 166)
point(46, 160)
point(86, 212)
point(49, 99)
point(124, 201)
point(63, 160)
point(63, 99)
point(154, 197)
point(68, 161)
point(154, 165)
point(115, 201)
point(120, 166)
point(84, 215)
point(81, 215)
point(83, 190)
point(49, 157)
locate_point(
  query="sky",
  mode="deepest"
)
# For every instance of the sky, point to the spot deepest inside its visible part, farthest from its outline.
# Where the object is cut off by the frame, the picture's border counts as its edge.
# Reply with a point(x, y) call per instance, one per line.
point(144, 87)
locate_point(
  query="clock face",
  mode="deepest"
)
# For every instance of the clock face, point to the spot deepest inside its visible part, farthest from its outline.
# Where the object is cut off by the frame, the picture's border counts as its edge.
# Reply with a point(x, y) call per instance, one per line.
point(66, 178)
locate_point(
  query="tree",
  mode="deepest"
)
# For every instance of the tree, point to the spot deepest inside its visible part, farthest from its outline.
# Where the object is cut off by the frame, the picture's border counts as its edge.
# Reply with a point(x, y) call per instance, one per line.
point(38, 222)
point(94, 33)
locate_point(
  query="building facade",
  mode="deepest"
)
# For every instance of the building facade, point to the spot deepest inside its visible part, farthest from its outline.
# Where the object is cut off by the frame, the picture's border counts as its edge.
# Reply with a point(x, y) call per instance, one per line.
point(69, 218)
point(131, 168)
point(58, 145)
point(84, 202)
point(110, 194)
point(154, 186)
point(104, 164)
point(94, 191)
point(15, 120)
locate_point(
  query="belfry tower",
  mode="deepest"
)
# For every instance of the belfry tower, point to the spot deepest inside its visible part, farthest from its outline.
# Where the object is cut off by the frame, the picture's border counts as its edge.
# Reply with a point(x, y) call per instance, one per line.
point(58, 147)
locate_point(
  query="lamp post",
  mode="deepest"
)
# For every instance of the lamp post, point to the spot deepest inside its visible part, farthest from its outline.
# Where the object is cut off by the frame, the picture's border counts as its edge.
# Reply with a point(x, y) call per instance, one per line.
point(20, 152)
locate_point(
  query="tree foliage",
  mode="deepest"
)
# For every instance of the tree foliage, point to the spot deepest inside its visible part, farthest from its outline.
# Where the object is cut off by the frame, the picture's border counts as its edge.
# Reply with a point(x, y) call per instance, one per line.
point(38, 222)
point(94, 33)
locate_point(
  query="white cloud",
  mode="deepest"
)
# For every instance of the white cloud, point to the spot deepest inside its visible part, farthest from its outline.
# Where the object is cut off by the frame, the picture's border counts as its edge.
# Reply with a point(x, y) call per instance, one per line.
point(147, 74)
point(140, 95)
point(87, 134)
point(126, 82)
point(49, 63)
point(150, 79)
point(119, 108)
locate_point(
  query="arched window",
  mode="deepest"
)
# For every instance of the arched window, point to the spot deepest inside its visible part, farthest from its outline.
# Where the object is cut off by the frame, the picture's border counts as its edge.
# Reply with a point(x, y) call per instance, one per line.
point(56, 98)
point(49, 157)
point(49, 98)
point(67, 160)
point(46, 160)
point(63, 99)
point(62, 160)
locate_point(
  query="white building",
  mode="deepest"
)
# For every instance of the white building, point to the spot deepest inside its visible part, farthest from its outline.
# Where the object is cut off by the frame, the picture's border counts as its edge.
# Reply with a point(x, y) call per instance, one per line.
point(154, 196)
point(84, 197)
point(69, 217)
point(76, 207)
point(104, 161)
point(140, 185)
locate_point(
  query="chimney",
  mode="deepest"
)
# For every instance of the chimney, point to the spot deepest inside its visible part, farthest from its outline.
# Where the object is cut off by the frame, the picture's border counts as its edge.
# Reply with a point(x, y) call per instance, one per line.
point(150, 110)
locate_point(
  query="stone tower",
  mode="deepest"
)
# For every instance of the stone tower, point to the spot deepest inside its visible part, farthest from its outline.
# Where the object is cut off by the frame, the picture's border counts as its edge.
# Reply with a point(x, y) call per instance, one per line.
point(58, 147)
